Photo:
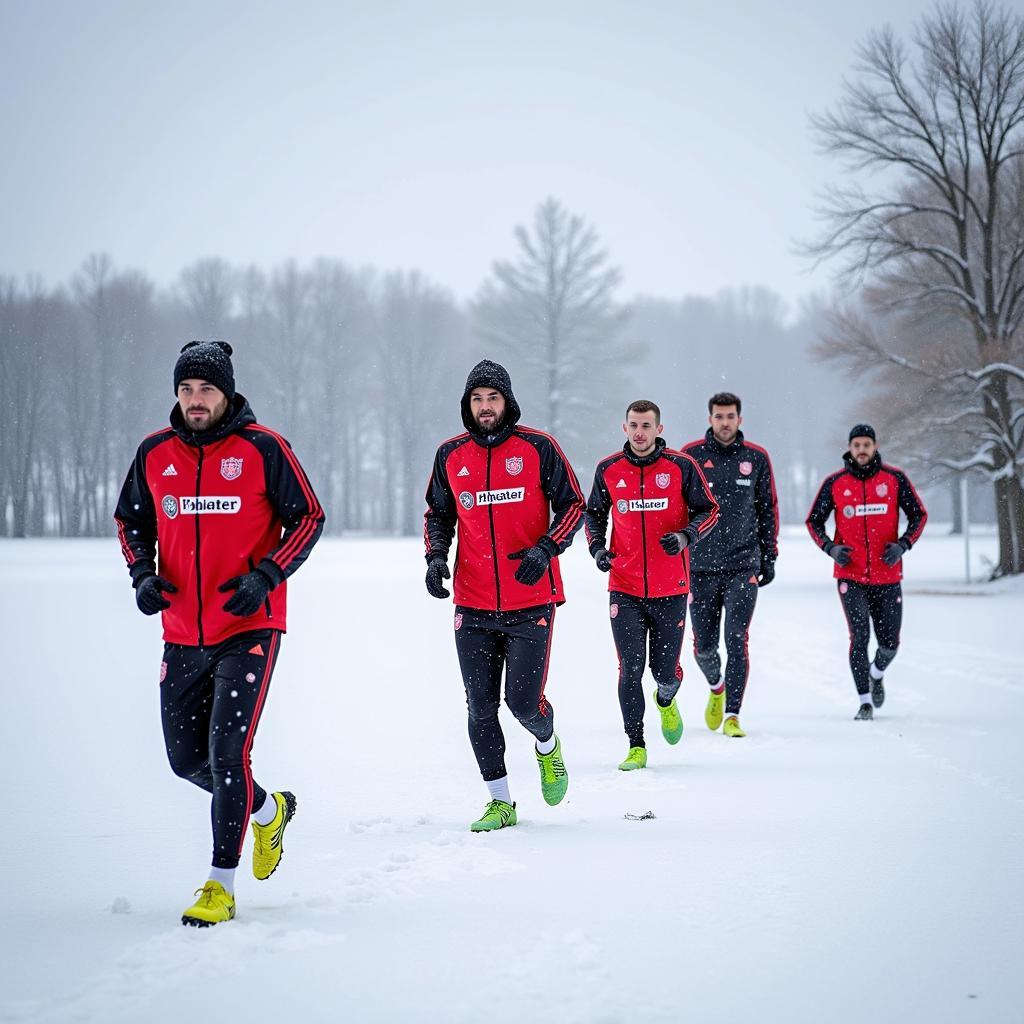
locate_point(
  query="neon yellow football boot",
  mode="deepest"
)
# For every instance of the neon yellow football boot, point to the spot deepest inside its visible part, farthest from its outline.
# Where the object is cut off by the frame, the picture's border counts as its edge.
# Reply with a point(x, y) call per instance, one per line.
point(554, 779)
point(268, 840)
point(497, 814)
point(732, 727)
point(671, 720)
point(636, 758)
point(714, 709)
point(215, 904)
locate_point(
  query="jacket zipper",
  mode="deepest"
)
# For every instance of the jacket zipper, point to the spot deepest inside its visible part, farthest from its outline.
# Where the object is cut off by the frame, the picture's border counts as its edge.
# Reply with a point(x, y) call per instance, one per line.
point(643, 529)
point(199, 571)
point(867, 540)
point(494, 545)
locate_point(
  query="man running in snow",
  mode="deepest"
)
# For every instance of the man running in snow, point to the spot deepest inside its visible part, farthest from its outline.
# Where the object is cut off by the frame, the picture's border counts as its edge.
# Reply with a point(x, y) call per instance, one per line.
point(660, 506)
point(499, 483)
point(866, 497)
point(226, 507)
point(738, 559)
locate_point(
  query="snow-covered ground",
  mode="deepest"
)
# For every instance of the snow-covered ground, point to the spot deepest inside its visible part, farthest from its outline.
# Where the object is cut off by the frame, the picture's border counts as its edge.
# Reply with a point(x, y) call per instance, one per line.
point(820, 870)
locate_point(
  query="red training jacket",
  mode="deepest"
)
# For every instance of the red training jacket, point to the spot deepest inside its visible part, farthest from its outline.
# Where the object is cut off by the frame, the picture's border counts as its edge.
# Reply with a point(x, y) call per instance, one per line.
point(501, 493)
point(867, 502)
point(646, 498)
point(217, 505)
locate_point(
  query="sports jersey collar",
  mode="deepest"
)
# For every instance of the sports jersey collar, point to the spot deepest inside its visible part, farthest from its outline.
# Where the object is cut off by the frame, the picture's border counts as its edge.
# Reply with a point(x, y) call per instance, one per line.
point(724, 449)
point(645, 460)
point(239, 415)
point(493, 440)
point(863, 472)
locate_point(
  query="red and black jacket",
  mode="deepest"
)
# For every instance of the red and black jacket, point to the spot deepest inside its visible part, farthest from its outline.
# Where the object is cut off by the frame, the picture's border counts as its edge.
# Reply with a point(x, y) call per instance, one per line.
point(501, 491)
point(866, 501)
point(214, 505)
point(740, 475)
point(647, 497)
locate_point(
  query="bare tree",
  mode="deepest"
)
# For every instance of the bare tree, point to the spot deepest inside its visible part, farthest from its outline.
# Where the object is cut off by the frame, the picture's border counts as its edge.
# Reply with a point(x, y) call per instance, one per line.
point(944, 231)
point(208, 287)
point(554, 308)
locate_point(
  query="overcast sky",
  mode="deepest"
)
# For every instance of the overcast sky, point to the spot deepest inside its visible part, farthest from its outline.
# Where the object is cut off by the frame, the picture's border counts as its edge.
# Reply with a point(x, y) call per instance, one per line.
point(418, 134)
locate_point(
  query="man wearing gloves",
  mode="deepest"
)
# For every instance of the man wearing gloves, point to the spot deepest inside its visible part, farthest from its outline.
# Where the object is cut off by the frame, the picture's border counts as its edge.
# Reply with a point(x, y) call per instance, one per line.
point(866, 497)
point(512, 495)
point(660, 506)
point(224, 505)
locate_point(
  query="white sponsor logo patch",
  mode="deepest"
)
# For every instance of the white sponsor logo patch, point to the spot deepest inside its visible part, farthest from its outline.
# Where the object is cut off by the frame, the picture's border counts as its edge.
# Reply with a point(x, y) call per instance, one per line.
point(170, 471)
point(500, 497)
point(744, 483)
point(463, 472)
point(872, 510)
point(663, 480)
point(202, 506)
point(466, 499)
point(621, 483)
point(882, 490)
point(231, 469)
point(170, 506)
point(622, 505)
point(648, 505)
point(514, 465)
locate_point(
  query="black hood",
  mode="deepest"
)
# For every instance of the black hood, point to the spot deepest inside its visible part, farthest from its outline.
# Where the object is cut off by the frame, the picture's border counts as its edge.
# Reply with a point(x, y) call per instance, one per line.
point(645, 460)
point(491, 375)
point(734, 446)
point(863, 472)
point(239, 415)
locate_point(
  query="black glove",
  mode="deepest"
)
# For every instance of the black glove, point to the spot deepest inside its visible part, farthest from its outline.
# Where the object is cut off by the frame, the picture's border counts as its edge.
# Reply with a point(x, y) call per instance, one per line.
point(673, 543)
point(840, 554)
point(437, 569)
point(603, 557)
point(148, 594)
point(893, 552)
point(535, 562)
point(250, 591)
point(767, 573)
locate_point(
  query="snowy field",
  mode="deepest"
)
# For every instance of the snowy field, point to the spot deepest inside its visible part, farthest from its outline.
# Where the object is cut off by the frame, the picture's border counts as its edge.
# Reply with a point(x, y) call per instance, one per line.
point(820, 870)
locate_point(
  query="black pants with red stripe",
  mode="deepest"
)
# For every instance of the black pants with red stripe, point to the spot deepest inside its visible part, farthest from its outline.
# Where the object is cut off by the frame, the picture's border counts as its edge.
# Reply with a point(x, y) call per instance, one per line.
point(520, 643)
point(735, 593)
point(866, 605)
point(211, 699)
point(639, 623)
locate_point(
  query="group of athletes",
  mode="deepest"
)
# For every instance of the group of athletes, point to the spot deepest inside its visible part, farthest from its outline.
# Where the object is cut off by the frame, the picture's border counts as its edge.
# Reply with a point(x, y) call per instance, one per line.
point(216, 504)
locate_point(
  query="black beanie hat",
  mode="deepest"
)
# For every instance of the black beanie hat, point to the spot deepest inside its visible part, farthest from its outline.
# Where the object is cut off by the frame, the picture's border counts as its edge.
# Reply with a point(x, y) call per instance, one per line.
point(209, 361)
point(862, 430)
point(487, 374)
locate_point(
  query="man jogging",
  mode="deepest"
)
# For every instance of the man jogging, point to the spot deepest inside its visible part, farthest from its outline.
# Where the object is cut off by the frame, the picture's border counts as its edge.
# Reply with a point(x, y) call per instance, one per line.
point(737, 559)
point(866, 497)
point(499, 483)
point(226, 507)
point(660, 505)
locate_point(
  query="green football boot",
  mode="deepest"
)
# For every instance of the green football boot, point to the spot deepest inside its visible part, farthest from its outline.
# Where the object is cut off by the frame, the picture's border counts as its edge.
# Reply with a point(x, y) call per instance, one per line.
point(732, 727)
point(497, 814)
point(554, 779)
point(671, 721)
point(715, 708)
point(636, 758)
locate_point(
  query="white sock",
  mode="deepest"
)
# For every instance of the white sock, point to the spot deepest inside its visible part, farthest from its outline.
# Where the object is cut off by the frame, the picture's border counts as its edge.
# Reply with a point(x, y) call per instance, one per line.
point(548, 745)
point(719, 686)
point(498, 788)
point(268, 812)
point(875, 671)
point(226, 877)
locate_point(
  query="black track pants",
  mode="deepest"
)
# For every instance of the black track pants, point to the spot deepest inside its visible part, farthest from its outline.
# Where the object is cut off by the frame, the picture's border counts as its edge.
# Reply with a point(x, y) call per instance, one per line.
point(520, 643)
point(211, 699)
point(865, 605)
point(637, 621)
point(735, 594)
